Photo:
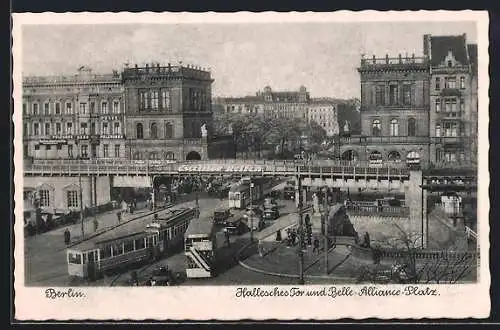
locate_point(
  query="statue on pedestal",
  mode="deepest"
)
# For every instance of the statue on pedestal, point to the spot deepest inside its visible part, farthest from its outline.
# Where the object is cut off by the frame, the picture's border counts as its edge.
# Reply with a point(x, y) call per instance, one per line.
point(204, 132)
point(315, 203)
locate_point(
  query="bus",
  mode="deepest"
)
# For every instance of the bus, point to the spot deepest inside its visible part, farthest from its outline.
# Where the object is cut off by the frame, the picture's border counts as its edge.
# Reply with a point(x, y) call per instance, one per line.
point(200, 247)
point(132, 243)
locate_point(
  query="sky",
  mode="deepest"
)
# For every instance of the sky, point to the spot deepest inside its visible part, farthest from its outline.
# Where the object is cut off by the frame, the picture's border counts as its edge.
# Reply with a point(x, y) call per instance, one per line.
point(243, 58)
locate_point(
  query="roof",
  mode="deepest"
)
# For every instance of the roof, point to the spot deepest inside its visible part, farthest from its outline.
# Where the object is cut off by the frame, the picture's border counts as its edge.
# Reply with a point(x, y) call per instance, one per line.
point(472, 49)
point(127, 229)
point(441, 45)
point(280, 223)
point(200, 226)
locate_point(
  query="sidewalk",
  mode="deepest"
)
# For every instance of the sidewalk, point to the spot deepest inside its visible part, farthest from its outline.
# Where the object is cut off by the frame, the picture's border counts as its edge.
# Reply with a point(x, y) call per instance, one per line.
point(281, 260)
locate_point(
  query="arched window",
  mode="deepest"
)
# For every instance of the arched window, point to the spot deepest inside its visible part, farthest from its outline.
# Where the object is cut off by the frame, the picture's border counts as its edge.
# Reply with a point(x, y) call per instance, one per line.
point(137, 155)
point(139, 131)
point(154, 131)
point(153, 155)
point(169, 131)
point(376, 127)
point(413, 157)
point(394, 127)
point(394, 156)
point(412, 127)
point(169, 155)
point(375, 157)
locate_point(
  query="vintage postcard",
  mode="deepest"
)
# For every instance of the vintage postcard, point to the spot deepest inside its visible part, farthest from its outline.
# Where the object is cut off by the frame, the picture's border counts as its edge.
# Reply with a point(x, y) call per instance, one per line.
point(290, 166)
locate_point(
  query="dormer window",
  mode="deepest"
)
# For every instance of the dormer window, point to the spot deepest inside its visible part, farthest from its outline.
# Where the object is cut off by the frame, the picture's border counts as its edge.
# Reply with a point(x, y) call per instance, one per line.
point(450, 64)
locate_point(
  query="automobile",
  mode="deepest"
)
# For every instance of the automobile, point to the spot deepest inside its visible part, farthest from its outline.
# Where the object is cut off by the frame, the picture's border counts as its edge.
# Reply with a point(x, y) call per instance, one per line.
point(289, 193)
point(271, 214)
point(235, 227)
point(222, 215)
point(161, 276)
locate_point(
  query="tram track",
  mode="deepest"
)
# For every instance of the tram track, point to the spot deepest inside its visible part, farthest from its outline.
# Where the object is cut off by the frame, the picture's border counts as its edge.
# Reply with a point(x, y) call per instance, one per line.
point(139, 272)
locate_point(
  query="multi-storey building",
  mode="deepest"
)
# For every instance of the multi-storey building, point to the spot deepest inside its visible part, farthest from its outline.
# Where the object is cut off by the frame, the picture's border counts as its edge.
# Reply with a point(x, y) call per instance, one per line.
point(79, 116)
point(167, 108)
point(143, 113)
point(283, 104)
point(453, 98)
point(418, 109)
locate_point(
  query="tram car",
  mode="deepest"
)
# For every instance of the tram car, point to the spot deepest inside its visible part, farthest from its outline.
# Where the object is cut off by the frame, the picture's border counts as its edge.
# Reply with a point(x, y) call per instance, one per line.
point(239, 195)
point(133, 243)
point(200, 247)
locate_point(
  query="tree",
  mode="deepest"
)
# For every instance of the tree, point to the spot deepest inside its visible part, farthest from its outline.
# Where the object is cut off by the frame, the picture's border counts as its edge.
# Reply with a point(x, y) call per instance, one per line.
point(447, 266)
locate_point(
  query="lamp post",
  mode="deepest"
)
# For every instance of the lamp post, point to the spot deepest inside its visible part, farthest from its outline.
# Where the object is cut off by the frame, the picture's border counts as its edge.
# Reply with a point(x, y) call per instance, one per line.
point(251, 213)
point(301, 225)
point(325, 237)
point(81, 201)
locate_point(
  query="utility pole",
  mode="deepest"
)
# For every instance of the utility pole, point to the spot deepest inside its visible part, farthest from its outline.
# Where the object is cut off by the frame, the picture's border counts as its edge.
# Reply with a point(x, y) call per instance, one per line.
point(251, 212)
point(301, 236)
point(325, 207)
point(81, 201)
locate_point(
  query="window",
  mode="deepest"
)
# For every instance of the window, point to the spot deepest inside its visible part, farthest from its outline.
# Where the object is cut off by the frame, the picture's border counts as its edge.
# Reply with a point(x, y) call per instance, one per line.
point(69, 109)
point(117, 150)
point(376, 127)
point(85, 151)
point(58, 108)
point(59, 147)
point(462, 82)
point(25, 150)
point(25, 109)
point(47, 128)
point(128, 246)
point(44, 198)
point(450, 82)
point(72, 198)
point(48, 147)
point(438, 130)
point(393, 94)
point(138, 131)
point(104, 107)
point(379, 95)
point(116, 128)
point(83, 108)
point(58, 128)
point(169, 131)
point(165, 99)
point(105, 150)
point(153, 155)
point(437, 83)
point(438, 105)
point(70, 150)
point(450, 63)
point(46, 108)
point(170, 155)
point(154, 100)
point(75, 258)
point(92, 128)
point(105, 128)
point(92, 107)
point(117, 249)
point(142, 100)
point(25, 129)
point(450, 105)
point(412, 127)
point(407, 94)
point(394, 127)
point(93, 148)
point(153, 131)
point(450, 129)
point(36, 129)
point(37, 147)
point(83, 128)
point(394, 156)
point(139, 244)
point(116, 107)
point(35, 109)
point(105, 252)
point(462, 104)
point(69, 128)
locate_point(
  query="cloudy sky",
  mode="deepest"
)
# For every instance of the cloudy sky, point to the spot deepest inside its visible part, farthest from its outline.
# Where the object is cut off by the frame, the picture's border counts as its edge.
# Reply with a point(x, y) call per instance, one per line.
point(243, 57)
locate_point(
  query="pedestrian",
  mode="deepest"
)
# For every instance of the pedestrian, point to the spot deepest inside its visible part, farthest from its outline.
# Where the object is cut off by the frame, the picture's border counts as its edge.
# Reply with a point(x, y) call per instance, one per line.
point(260, 246)
point(316, 245)
point(226, 233)
point(119, 216)
point(96, 225)
point(67, 236)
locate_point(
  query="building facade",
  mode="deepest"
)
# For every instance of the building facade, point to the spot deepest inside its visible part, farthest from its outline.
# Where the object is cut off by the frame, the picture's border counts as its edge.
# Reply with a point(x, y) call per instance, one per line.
point(148, 112)
point(168, 109)
point(283, 104)
point(79, 116)
point(418, 109)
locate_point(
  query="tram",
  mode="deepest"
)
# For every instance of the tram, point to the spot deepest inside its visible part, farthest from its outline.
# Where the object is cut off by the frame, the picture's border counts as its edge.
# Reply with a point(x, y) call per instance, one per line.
point(200, 248)
point(132, 243)
point(239, 195)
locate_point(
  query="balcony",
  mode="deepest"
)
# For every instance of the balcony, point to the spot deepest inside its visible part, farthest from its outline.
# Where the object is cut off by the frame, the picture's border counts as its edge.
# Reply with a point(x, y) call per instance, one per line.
point(399, 62)
point(384, 140)
point(450, 92)
point(449, 114)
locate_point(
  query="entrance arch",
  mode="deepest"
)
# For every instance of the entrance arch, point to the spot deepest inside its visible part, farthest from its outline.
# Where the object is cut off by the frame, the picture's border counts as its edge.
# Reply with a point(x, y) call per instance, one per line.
point(350, 155)
point(193, 155)
point(413, 157)
point(394, 157)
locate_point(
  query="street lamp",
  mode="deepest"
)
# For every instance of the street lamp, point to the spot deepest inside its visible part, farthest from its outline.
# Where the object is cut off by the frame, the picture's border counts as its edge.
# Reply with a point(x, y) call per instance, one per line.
point(325, 236)
point(251, 212)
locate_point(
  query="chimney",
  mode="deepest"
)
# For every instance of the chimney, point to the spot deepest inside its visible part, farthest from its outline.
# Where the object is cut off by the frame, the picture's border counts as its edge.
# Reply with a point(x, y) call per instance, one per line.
point(427, 45)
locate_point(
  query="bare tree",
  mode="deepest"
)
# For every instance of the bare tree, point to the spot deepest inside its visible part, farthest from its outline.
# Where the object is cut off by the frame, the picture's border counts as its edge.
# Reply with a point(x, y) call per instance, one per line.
point(412, 265)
